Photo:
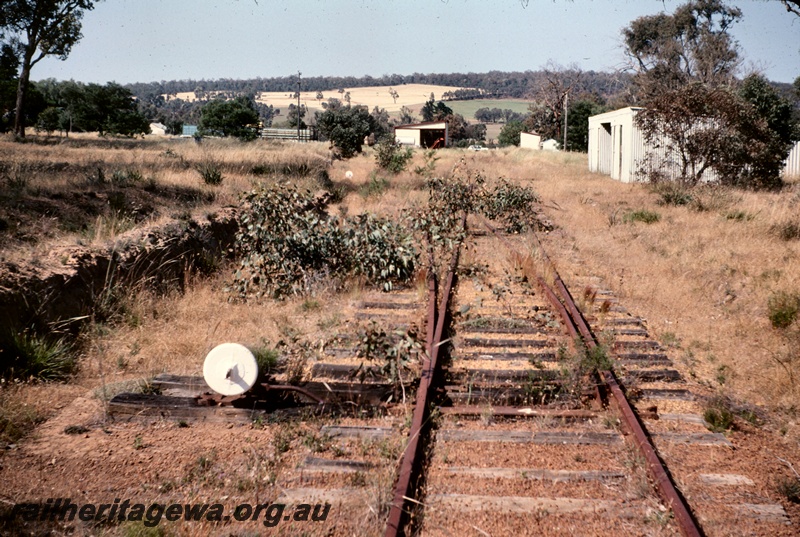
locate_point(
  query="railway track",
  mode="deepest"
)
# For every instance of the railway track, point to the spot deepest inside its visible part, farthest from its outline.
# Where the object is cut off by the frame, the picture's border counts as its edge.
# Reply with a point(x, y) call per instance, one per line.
point(528, 415)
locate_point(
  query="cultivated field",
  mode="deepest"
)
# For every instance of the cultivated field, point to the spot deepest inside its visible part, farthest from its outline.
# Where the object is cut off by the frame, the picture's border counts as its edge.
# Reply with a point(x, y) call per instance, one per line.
point(468, 108)
point(410, 95)
point(702, 274)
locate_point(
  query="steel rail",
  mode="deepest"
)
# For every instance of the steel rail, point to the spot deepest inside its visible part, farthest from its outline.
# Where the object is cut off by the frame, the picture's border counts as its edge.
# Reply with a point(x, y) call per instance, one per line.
point(664, 484)
point(411, 463)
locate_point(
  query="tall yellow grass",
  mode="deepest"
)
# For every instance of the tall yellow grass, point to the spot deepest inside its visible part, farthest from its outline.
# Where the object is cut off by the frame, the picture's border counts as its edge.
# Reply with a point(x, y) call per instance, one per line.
point(701, 278)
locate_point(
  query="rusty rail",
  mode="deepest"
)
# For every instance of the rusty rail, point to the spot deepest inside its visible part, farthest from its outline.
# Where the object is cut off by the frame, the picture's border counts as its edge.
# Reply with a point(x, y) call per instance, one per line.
point(577, 324)
point(658, 473)
point(411, 462)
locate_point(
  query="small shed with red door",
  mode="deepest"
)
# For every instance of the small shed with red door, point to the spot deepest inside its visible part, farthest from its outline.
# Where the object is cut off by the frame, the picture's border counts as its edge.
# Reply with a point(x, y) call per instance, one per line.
point(433, 134)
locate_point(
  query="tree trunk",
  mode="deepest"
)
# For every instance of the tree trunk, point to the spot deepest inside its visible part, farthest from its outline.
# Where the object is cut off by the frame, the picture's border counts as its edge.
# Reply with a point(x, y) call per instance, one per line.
point(22, 89)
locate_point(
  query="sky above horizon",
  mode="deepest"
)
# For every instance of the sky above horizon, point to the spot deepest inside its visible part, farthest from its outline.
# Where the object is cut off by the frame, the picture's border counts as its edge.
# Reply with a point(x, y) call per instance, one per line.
point(127, 41)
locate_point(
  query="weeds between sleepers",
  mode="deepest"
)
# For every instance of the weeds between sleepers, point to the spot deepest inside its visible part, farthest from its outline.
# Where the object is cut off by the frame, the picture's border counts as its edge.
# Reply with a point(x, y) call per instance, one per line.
point(789, 488)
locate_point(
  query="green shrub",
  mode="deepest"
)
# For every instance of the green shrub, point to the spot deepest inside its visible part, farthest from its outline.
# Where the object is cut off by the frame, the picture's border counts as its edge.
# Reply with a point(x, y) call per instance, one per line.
point(124, 178)
point(26, 355)
point(427, 170)
point(787, 231)
point(512, 204)
point(783, 308)
point(266, 358)
point(288, 242)
point(718, 416)
point(789, 488)
point(395, 353)
point(672, 193)
point(376, 186)
point(391, 156)
point(738, 216)
point(642, 215)
point(210, 173)
point(596, 358)
point(379, 249)
point(294, 166)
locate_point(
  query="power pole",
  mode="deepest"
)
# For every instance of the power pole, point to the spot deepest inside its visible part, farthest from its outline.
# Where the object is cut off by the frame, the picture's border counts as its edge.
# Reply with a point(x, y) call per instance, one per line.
point(298, 105)
point(566, 113)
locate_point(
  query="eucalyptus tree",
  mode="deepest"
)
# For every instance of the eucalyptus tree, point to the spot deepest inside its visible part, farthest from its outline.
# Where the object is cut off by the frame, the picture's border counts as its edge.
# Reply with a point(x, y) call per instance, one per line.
point(37, 29)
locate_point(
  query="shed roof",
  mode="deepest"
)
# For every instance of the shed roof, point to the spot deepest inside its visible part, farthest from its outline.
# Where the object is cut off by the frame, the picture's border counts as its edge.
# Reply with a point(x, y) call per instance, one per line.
point(422, 126)
point(621, 112)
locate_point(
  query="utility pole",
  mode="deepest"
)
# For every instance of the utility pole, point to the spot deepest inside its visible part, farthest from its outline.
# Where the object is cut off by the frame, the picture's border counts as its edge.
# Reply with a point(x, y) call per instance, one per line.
point(566, 113)
point(298, 105)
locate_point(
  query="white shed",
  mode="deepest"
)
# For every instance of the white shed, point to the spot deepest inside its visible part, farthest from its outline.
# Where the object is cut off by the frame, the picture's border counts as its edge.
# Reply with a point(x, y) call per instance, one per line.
point(551, 145)
point(618, 148)
point(792, 168)
point(158, 129)
point(433, 134)
point(530, 140)
point(615, 144)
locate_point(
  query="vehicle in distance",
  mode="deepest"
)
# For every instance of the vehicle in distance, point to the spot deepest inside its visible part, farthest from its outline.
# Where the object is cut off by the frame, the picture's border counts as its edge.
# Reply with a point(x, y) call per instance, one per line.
point(477, 148)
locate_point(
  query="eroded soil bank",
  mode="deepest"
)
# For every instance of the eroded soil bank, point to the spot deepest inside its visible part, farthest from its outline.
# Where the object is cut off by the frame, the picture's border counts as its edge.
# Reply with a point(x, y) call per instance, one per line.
point(72, 283)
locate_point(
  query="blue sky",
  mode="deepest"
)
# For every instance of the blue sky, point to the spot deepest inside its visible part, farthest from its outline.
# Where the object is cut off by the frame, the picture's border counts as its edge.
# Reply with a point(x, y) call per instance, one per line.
point(151, 40)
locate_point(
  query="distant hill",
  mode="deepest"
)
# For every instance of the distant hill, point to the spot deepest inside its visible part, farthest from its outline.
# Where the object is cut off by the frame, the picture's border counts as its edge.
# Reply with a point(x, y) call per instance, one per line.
point(494, 84)
point(409, 95)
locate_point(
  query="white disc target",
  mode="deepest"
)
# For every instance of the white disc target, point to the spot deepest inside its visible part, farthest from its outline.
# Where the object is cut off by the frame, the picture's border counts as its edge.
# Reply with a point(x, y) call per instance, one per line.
point(230, 369)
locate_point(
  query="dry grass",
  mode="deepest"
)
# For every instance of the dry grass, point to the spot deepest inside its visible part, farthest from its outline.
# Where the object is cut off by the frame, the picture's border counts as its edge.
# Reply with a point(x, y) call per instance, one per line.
point(174, 333)
point(408, 95)
point(87, 190)
point(700, 277)
point(703, 279)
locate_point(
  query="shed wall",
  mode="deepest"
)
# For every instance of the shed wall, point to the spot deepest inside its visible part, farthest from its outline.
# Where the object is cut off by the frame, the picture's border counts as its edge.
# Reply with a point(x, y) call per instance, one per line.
point(420, 133)
point(529, 140)
point(407, 136)
point(792, 168)
point(618, 148)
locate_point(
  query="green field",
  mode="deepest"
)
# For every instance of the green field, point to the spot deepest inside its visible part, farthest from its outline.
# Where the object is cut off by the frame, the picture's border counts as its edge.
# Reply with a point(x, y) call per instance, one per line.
point(468, 108)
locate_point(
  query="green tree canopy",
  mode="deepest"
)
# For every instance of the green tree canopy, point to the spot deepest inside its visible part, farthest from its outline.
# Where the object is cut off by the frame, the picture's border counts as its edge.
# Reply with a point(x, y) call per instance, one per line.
point(578, 123)
point(407, 117)
point(476, 131)
point(383, 125)
point(547, 112)
point(509, 135)
point(294, 116)
point(346, 127)
point(9, 65)
point(237, 117)
point(692, 44)
point(49, 120)
point(435, 111)
point(743, 136)
point(36, 29)
point(686, 65)
point(108, 109)
point(779, 123)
